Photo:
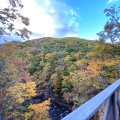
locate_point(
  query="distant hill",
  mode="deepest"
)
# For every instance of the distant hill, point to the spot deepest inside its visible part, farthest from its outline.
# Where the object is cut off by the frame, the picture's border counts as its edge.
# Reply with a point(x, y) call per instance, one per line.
point(67, 71)
point(4, 38)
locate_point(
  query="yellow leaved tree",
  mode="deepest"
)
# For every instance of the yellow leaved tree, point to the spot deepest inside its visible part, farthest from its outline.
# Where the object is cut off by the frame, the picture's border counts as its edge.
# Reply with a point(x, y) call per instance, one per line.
point(38, 111)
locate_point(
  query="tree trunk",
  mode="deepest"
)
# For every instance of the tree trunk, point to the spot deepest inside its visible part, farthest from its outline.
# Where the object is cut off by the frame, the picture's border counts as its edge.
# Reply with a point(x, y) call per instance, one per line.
point(104, 81)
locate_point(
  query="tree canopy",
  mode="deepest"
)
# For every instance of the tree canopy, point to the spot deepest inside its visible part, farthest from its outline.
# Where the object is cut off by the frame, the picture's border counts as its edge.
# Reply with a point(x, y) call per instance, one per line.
point(112, 27)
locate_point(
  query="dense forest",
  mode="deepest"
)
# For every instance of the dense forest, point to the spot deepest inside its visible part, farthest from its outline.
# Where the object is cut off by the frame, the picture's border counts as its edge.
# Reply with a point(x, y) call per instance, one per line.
point(67, 71)
point(47, 78)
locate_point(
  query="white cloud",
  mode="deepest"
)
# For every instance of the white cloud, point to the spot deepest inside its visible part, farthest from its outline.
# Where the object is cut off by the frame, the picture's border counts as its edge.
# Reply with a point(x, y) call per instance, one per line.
point(111, 1)
point(91, 36)
point(3, 3)
point(40, 22)
point(49, 18)
point(72, 35)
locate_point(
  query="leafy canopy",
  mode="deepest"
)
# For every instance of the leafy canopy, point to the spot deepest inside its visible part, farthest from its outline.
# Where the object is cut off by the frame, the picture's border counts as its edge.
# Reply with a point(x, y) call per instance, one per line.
point(112, 27)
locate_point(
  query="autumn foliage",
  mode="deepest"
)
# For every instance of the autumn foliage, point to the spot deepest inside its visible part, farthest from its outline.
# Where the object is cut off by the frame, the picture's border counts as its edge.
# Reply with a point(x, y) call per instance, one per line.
point(68, 71)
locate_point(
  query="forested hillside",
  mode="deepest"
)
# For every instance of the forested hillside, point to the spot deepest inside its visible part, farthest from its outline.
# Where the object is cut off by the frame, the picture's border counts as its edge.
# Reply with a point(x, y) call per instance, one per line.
point(67, 71)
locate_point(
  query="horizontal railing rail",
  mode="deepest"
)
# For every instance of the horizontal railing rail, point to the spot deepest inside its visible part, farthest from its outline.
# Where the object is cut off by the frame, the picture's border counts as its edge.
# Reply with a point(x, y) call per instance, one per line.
point(110, 95)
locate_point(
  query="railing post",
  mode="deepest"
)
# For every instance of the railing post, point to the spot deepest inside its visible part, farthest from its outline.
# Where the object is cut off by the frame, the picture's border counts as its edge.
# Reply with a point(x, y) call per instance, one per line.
point(118, 97)
point(112, 110)
point(118, 101)
point(113, 114)
point(116, 110)
point(107, 108)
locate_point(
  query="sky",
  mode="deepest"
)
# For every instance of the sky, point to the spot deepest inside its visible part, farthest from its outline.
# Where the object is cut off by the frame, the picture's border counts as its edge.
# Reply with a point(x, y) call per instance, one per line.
point(66, 18)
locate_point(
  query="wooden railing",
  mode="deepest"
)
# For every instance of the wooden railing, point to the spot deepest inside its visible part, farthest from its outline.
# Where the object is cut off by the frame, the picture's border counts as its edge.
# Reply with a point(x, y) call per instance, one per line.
point(110, 96)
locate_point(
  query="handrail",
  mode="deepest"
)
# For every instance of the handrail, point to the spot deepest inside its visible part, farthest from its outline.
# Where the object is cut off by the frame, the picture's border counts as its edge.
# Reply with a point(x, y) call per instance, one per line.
point(88, 109)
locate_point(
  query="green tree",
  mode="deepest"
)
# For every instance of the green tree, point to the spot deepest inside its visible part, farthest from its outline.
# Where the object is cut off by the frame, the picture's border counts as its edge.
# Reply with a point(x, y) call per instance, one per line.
point(112, 27)
point(112, 30)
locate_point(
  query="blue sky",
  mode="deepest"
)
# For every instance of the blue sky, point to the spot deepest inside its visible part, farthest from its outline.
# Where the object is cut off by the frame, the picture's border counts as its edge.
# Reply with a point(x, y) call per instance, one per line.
point(61, 18)
point(92, 18)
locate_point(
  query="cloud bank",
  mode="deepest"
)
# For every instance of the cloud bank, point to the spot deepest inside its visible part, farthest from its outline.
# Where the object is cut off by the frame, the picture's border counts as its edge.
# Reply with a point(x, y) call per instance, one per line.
point(112, 1)
point(51, 18)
